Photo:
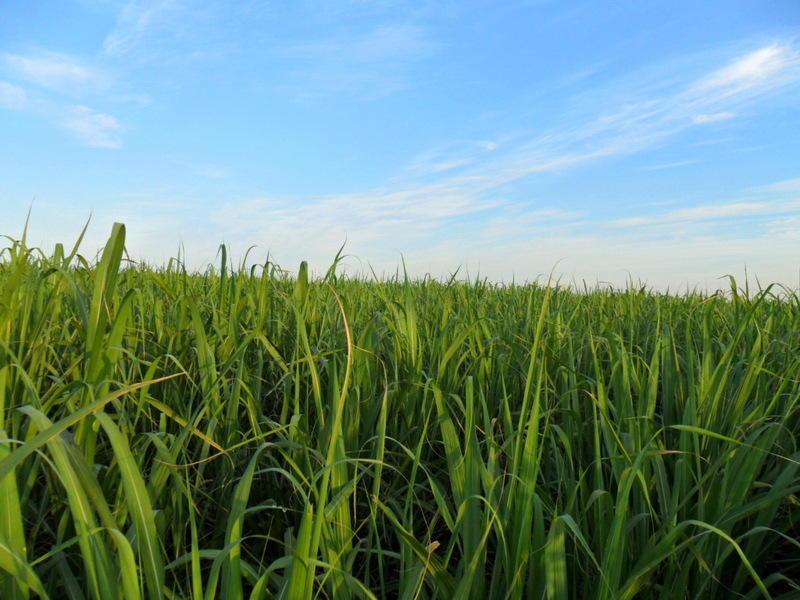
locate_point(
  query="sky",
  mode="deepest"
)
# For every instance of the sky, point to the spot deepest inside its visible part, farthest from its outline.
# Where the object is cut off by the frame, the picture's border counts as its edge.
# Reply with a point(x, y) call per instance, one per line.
point(637, 141)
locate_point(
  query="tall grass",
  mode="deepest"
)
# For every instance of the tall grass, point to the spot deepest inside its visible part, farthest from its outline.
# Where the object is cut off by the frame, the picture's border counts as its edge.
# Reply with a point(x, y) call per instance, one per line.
point(238, 433)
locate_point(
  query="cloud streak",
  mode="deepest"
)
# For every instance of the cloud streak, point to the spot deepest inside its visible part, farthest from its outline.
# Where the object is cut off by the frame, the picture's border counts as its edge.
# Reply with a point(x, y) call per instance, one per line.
point(96, 130)
point(13, 97)
point(752, 70)
point(372, 63)
point(136, 22)
point(714, 212)
point(54, 71)
point(722, 116)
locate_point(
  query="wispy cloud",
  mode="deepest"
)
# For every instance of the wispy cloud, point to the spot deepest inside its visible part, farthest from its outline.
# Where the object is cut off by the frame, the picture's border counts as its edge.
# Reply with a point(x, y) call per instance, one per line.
point(203, 169)
point(137, 21)
point(682, 163)
point(54, 71)
point(13, 97)
point(787, 186)
point(786, 228)
point(713, 212)
point(733, 209)
point(96, 130)
point(452, 156)
point(372, 63)
point(379, 215)
point(752, 70)
point(722, 116)
point(212, 171)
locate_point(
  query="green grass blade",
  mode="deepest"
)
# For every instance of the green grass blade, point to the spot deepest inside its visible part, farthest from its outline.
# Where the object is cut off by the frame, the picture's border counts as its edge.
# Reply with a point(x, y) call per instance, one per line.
point(139, 507)
point(14, 583)
point(232, 569)
point(18, 576)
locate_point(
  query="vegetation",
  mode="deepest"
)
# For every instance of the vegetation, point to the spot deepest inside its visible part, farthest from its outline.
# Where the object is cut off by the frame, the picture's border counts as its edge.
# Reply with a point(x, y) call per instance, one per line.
point(243, 434)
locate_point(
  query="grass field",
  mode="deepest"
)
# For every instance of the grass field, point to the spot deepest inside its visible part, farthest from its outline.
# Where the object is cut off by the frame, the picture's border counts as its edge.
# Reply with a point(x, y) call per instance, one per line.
point(239, 433)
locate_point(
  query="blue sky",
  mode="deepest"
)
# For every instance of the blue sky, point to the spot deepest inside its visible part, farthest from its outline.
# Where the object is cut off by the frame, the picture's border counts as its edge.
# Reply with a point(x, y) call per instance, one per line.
point(652, 140)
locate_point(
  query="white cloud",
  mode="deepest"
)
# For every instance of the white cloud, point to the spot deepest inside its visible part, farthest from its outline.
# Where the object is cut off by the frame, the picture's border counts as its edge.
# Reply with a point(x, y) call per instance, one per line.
point(55, 71)
point(785, 204)
point(136, 21)
point(372, 63)
point(379, 224)
point(722, 211)
point(97, 130)
point(788, 185)
point(141, 99)
point(722, 116)
point(682, 163)
point(212, 171)
point(455, 155)
point(448, 166)
point(786, 228)
point(631, 222)
point(752, 69)
point(13, 97)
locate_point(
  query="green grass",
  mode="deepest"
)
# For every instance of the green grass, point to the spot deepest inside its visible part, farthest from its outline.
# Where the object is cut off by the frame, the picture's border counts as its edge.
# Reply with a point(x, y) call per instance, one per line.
point(242, 434)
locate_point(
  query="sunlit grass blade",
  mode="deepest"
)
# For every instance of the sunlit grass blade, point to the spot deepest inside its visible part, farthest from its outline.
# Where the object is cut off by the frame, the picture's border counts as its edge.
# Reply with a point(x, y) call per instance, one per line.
point(555, 563)
point(300, 574)
point(100, 313)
